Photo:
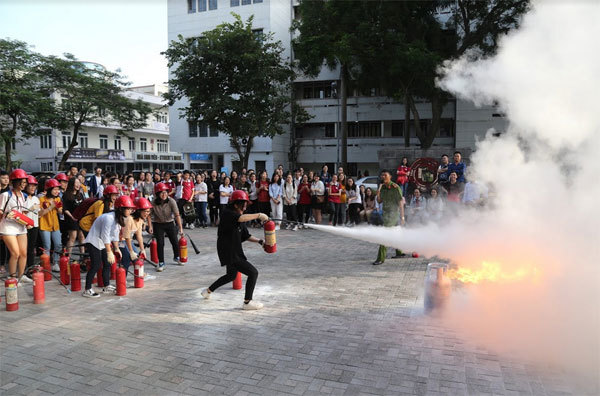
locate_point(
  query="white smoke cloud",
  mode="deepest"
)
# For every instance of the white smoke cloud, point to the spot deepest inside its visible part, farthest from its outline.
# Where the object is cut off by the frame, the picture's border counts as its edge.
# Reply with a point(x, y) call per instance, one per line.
point(545, 169)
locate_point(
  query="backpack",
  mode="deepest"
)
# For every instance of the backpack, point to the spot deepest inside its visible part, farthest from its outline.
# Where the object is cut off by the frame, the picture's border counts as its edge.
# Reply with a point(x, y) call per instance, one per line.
point(81, 210)
point(189, 212)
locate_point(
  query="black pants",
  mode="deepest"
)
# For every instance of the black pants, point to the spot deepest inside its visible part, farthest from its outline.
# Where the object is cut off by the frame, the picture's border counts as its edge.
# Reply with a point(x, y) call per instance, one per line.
point(354, 212)
point(32, 237)
point(232, 269)
point(336, 215)
point(3, 253)
point(97, 257)
point(264, 207)
point(303, 213)
point(159, 234)
point(290, 212)
point(214, 211)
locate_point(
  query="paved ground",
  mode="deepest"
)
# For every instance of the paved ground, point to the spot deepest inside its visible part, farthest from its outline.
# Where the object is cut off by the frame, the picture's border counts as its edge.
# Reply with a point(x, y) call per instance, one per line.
point(332, 324)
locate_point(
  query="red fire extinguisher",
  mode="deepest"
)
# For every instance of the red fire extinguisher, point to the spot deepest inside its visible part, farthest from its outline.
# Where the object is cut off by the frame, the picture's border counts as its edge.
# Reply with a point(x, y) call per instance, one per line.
point(154, 251)
point(183, 254)
point(138, 273)
point(237, 282)
point(121, 283)
point(75, 276)
point(39, 293)
point(12, 296)
point(64, 269)
point(270, 244)
point(45, 263)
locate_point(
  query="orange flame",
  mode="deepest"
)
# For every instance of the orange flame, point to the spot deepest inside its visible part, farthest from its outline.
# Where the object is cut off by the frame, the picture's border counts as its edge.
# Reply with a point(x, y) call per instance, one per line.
point(492, 272)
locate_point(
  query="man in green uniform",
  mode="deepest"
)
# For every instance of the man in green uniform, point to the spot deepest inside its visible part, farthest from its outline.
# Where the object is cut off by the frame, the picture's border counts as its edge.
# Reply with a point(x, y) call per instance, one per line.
point(390, 195)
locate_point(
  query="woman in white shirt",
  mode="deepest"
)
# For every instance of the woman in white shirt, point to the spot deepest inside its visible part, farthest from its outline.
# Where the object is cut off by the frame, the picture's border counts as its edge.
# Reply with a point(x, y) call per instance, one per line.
point(33, 205)
point(317, 189)
point(290, 199)
point(14, 233)
point(201, 200)
point(103, 241)
point(225, 191)
point(275, 192)
point(354, 201)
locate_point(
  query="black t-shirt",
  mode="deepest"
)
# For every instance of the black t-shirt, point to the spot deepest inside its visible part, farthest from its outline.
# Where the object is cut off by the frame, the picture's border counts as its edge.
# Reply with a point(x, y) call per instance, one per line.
point(213, 188)
point(230, 235)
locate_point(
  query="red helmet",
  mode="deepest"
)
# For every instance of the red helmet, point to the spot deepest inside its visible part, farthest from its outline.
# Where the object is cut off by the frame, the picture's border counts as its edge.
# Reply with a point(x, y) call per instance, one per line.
point(51, 183)
point(31, 180)
point(110, 189)
point(18, 174)
point(142, 203)
point(239, 195)
point(160, 187)
point(124, 201)
point(61, 177)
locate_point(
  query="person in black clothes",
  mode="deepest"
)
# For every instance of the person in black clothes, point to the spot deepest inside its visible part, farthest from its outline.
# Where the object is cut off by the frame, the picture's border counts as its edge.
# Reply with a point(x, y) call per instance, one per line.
point(213, 197)
point(232, 232)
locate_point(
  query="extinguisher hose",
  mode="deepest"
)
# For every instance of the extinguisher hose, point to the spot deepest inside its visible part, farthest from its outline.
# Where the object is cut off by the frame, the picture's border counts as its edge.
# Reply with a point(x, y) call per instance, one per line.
point(58, 279)
point(287, 221)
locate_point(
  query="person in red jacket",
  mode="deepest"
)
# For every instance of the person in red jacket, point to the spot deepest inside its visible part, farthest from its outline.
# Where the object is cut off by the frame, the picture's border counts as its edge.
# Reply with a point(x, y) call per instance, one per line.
point(402, 175)
point(262, 186)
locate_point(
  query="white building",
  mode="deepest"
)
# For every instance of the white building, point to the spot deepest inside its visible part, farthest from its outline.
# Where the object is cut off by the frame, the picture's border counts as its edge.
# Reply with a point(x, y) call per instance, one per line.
point(375, 122)
point(142, 149)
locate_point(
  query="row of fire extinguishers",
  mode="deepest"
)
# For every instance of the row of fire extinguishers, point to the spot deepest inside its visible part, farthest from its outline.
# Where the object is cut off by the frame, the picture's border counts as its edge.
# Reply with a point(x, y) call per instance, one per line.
point(70, 273)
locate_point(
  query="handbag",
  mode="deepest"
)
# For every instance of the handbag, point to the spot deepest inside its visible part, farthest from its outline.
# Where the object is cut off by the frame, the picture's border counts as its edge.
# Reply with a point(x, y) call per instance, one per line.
point(320, 198)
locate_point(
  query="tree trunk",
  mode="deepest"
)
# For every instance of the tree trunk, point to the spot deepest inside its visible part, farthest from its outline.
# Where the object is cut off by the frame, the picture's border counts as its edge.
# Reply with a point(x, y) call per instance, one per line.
point(406, 119)
point(247, 152)
point(436, 118)
point(67, 154)
point(416, 117)
point(7, 154)
point(243, 153)
point(344, 116)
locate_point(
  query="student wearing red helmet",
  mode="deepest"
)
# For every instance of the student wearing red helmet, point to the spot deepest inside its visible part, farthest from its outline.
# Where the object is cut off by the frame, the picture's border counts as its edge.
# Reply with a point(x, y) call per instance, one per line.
point(104, 205)
point(134, 226)
point(51, 205)
point(165, 214)
point(33, 205)
point(231, 233)
point(102, 242)
point(14, 234)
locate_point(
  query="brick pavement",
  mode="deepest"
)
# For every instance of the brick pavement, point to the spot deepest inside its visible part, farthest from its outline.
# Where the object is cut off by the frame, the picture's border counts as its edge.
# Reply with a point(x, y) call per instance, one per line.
point(332, 324)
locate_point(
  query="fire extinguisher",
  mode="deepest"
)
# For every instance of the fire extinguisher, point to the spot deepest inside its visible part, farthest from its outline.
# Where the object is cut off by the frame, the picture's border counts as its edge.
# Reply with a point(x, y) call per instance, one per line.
point(121, 283)
point(75, 276)
point(138, 273)
point(64, 269)
point(270, 244)
point(45, 263)
point(237, 282)
point(39, 293)
point(12, 296)
point(154, 251)
point(183, 253)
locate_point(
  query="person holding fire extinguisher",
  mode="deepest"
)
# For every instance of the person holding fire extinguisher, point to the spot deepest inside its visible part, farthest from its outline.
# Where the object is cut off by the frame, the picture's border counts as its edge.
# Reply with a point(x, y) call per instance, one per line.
point(134, 227)
point(165, 214)
point(13, 231)
point(102, 244)
point(51, 205)
point(230, 235)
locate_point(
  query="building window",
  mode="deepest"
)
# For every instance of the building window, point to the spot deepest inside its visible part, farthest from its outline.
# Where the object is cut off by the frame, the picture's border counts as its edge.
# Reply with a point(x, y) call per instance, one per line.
point(213, 132)
point(446, 127)
point(193, 128)
point(66, 139)
point(201, 5)
point(162, 117)
point(131, 144)
point(234, 3)
point(47, 166)
point(143, 145)
point(191, 6)
point(162, 145)
point(316, 131)
point(397, 128)
point(260, 166)
point(83, 139)
point(314, 90)
point(257, 1)
point(212, 4)
point(364, 129)
point(104, 142)
point(246, 2)
point(46, 140)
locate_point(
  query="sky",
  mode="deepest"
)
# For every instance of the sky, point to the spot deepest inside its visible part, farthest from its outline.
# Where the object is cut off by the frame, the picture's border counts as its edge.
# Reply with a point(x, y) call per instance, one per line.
point(126, 34)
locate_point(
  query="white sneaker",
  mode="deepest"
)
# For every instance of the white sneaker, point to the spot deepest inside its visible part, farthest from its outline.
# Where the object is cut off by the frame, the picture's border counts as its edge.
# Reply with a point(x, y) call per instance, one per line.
point(55, 268)
point(295, 228)
point(90, 294)
point(110, 289)
point(178, 262)
point(205, 293)
point(192, 227)
point(252, 305)
point(25, 279)
point(161, 267)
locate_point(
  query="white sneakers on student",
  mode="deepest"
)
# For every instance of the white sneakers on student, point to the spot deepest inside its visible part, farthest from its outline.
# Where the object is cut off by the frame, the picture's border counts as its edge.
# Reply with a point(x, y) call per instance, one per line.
point(252, 305)
point(205, 293)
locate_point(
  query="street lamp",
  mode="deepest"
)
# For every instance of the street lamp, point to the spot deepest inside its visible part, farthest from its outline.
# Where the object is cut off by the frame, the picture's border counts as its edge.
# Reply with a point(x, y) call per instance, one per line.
point(334, 94)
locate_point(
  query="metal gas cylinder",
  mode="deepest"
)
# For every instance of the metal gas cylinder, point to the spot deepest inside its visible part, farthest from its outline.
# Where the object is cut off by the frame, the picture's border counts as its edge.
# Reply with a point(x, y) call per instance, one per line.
point(437, 287)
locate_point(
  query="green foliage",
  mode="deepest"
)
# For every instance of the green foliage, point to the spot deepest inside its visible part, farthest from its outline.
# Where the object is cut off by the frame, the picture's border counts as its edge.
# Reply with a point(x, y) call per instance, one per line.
point(91, 96)
point(25, 102)
point(233, 79)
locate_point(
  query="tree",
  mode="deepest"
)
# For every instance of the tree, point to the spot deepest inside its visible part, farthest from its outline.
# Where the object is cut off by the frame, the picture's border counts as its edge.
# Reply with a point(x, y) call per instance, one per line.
point(25, 102)
point(328, 35)
point(235, 80)
point(91, 96)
